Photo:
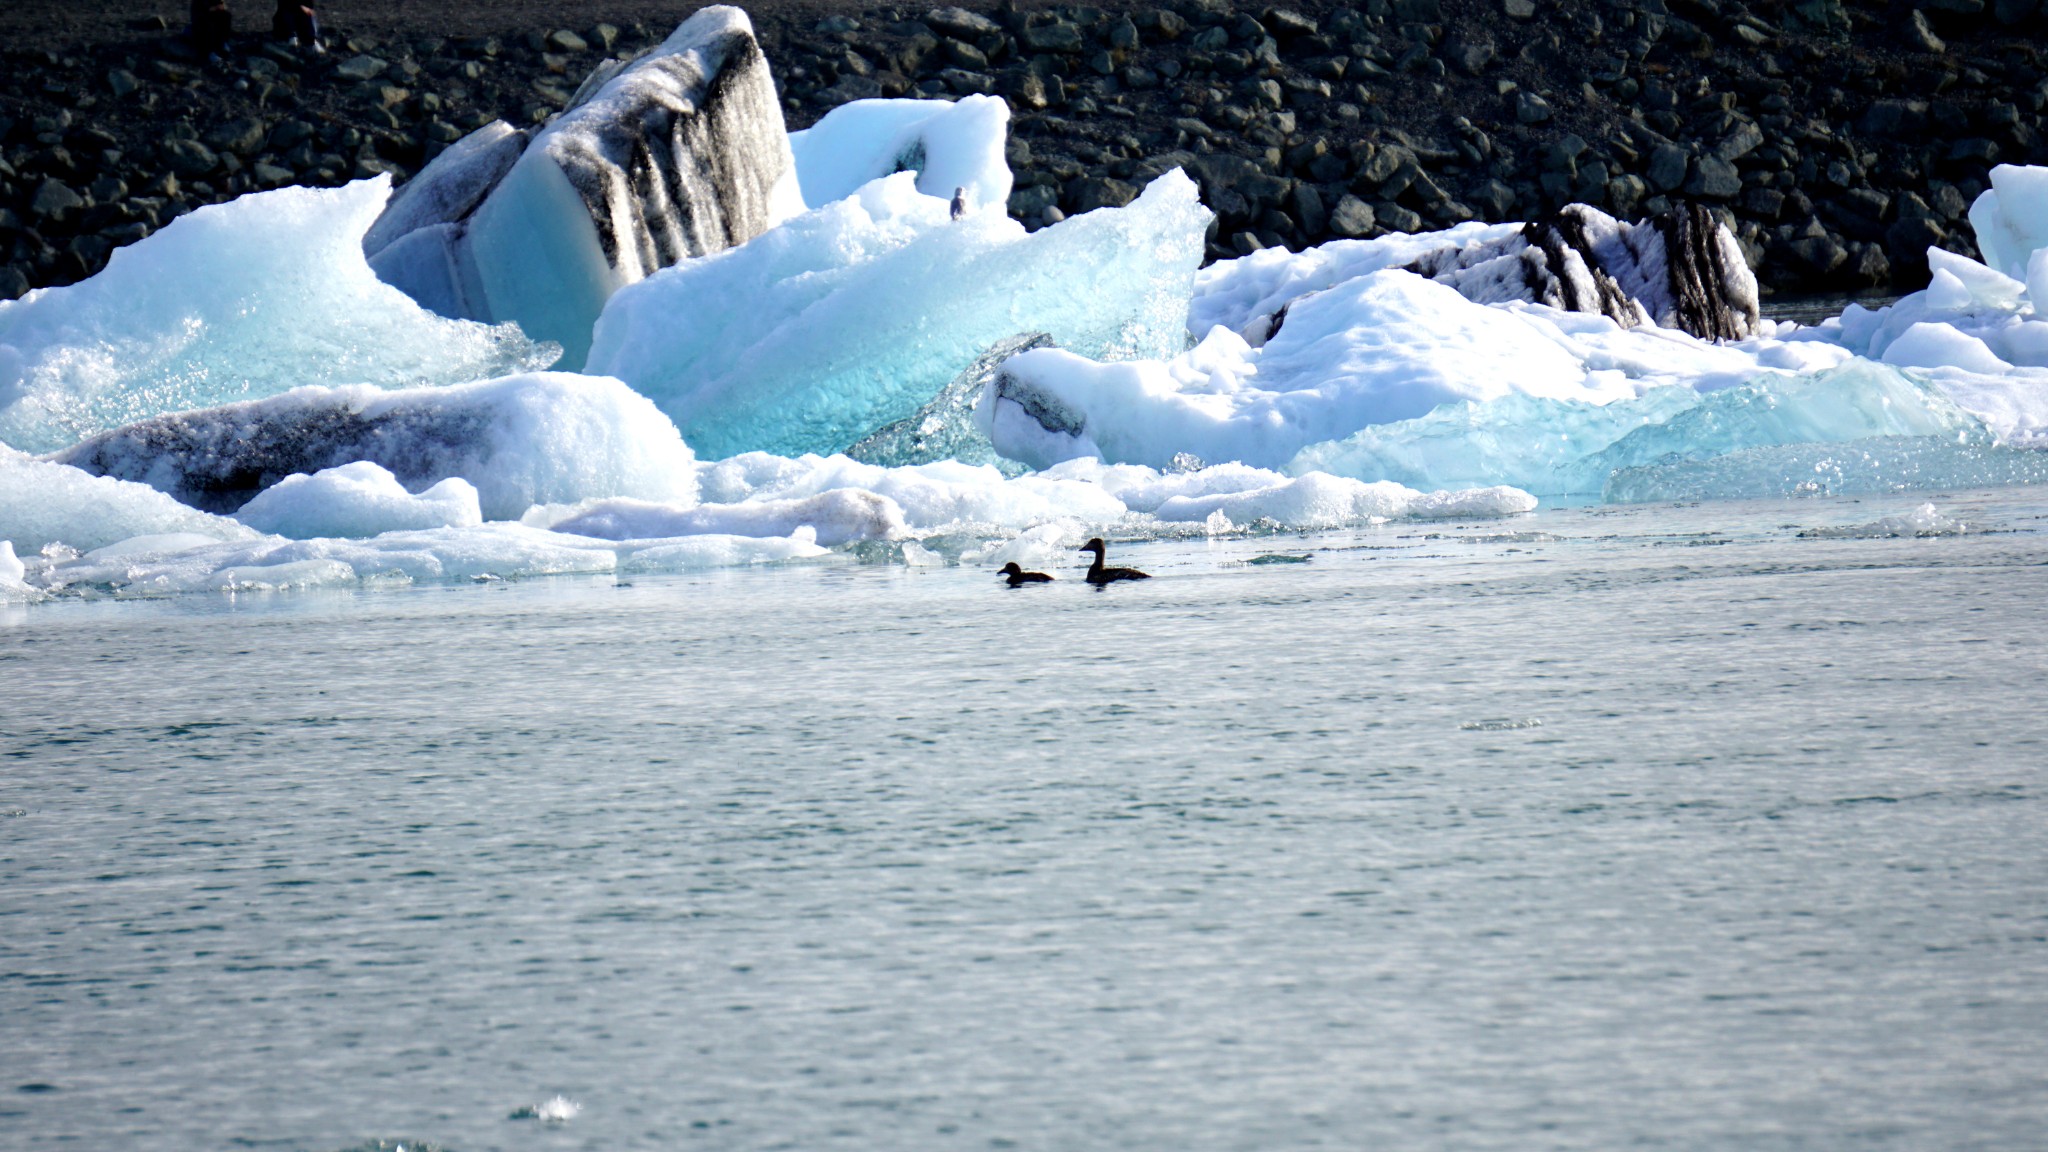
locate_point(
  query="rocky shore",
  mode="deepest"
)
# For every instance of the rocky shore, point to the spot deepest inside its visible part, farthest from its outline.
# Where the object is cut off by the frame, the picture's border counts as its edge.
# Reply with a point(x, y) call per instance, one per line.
point(1838, 140)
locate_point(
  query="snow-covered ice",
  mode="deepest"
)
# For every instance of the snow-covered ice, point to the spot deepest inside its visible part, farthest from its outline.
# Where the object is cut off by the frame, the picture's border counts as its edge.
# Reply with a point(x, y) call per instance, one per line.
point(948, 145)
point(359, 499)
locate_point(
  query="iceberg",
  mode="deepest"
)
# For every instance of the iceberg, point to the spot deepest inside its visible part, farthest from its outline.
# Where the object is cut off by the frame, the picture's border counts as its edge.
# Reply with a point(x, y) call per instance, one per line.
point(1385, 346)
point(539, 438)
point(450, 187)
point(234, 301)
point(948, 145)
point(2011, 219)
point(1681, 270)
point(359, 499)
point(852, 316)
point(1564, 447)
point(680, 154)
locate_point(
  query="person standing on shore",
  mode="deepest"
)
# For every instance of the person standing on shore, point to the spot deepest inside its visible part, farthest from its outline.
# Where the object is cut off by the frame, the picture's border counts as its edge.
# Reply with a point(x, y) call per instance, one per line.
point(212, 24)
point(296, 23)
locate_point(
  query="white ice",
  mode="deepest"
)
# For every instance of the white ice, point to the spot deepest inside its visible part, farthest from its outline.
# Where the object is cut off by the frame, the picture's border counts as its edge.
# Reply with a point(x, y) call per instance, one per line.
point(949, 145)
point(237, 300)
point(834, 517)
point(2011, 218)
point(850, 317)
point(1383, 347)
point(43, 503)
point(543, 437)
point(359, 499)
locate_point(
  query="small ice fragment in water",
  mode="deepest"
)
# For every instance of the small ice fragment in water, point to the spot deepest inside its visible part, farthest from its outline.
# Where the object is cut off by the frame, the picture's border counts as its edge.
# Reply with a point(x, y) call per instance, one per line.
point(1278, 558)
point(559, 1110)
point(1499, 725)
point(1923, 522)
point(1218, 524)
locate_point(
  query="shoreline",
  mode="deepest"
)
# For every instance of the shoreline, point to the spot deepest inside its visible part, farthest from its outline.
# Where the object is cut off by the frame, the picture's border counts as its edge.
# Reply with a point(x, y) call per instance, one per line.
point(1801, 125)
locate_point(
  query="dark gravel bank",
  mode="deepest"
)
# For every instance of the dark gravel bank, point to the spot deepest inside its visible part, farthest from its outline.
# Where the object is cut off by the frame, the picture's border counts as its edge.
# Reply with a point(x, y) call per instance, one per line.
point(1839, 139)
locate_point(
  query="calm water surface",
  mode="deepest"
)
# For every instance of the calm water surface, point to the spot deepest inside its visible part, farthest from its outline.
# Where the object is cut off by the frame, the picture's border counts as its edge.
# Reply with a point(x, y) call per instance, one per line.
point(1604, 828)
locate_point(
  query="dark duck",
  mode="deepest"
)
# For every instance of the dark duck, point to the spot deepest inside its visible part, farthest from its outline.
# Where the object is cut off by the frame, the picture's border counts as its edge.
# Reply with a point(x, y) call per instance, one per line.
point(1099, 575)
point(1019, 577)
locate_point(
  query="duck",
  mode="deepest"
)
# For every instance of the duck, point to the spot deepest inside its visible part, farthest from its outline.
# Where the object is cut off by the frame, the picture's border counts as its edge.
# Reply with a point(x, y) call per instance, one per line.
point(1019, 577)
point(1098, 575)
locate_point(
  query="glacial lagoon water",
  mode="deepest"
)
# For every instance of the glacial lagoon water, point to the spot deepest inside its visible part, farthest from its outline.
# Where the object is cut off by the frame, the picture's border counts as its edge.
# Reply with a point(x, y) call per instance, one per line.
point(1682, 827)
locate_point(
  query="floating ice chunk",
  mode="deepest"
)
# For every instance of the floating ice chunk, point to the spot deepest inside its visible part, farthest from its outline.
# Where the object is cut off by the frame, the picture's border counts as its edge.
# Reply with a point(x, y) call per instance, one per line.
point(1681, 270)
point(14, 589)
point(933, 497)
point(548, 437)
point(451, 186)
point(1882, 464)
point(1233, 293)
point(1857, 402)
point(680, 154)
point(834, 517)
point(1924, 521)
point(851, 317)
point(1563, 447)
point(233, 301)
point(170, 565)
point(1385, 346)
point(949, 145)
point(359, 499)
point(1927, 345)
point(2011, 218)
point(44, 503)
point(1535, 443)
point(1962, 287)
point(1319, 500)
point(694, 553)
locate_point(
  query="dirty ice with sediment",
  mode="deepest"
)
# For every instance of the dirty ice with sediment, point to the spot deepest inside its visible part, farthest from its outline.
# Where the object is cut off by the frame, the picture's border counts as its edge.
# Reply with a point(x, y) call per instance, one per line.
point(664, 333)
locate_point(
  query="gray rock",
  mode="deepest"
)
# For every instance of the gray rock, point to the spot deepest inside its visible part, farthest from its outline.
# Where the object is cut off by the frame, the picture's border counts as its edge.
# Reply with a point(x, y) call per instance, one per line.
point(1531, 108)
point(1900, 119)
point(962, 23)
point(361, 68)
point(13, 284)
point(1519, 9)
point(1058, 36)
point(1920, 35)
point(563, 40)
point(1396, 218)
point(243, 136)
point(1468, 57)
point(122, 83)
point(1667, 169)
point(1714, 178)
point(54, 200)
point(1352, 217)
point(1745, 138)
point(1092, 192)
